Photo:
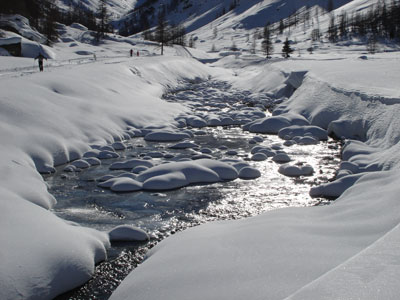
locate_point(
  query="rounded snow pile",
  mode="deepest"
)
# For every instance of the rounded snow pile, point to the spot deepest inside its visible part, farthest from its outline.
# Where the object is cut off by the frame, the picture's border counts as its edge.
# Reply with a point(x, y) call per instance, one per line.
point(130, 164)
point(127, 233)
point(184, 145)
point(166, 136)
point(295, 171)
point(178, 174)
point(336, 188)
point(273, 124)
point(281, 158)
point(249, 173)
point(290, 132)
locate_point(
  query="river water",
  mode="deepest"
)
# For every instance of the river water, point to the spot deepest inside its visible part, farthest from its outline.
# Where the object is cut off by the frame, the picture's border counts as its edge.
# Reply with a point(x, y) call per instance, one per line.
point(164, 213)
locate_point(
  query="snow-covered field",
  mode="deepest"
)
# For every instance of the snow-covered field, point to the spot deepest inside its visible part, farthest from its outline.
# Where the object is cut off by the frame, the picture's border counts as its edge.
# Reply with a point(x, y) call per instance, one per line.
point(347, 250)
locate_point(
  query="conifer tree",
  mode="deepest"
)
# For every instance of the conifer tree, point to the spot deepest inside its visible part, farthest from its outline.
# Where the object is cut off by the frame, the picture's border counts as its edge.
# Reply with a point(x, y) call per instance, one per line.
point(286, 49)
point(103, 24)
point(267, 45)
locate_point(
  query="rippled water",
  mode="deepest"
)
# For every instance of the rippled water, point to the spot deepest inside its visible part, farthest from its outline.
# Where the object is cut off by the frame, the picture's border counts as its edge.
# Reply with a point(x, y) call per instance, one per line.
point(163, 214)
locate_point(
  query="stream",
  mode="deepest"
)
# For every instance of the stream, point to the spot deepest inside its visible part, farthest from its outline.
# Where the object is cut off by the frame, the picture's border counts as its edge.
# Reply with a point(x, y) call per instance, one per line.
point(162, 214)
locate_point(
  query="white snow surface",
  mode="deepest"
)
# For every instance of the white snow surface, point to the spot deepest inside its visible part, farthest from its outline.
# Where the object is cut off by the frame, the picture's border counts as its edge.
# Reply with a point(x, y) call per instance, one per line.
point(48, 119)
point(346, 250)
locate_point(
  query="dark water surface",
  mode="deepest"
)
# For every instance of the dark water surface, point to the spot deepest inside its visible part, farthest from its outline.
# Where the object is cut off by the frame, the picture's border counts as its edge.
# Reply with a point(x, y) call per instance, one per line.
point(164, 213)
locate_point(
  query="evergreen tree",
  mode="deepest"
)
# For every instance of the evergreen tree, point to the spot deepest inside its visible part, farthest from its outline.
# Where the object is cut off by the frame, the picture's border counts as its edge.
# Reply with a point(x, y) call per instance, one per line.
point(161, 32)
point(267, 44)
point(332, 30)
point(51, 15)
point(103, 24)
point(343, 25)
point(286, 49)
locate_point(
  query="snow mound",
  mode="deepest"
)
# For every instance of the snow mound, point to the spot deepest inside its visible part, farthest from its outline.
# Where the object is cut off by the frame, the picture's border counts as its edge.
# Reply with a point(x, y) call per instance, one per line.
point(290, 132)
point(281, 158)
point(249, 173)
point(295, 170)
point(336, 188)
point(127, 233)
point(259, 157)
point(179, 174)
point(166, 136)
point(184, 145)
point(273, 124)
point(130, 164)
point(125, 184)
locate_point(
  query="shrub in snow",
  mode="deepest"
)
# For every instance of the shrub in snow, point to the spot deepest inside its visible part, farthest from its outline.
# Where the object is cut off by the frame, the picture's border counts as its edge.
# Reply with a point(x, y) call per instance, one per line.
point(166, 136)
point(249, 173)
point(295, 171)
point(127, 233)
point(281, 158)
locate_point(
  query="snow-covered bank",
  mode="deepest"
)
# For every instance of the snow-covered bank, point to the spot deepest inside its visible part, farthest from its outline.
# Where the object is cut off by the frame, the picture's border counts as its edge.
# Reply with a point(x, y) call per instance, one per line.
point(292, 253)
point(49, 119)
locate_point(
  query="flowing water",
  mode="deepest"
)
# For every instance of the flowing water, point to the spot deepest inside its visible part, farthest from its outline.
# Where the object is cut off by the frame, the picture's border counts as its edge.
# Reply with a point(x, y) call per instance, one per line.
point(164, 213)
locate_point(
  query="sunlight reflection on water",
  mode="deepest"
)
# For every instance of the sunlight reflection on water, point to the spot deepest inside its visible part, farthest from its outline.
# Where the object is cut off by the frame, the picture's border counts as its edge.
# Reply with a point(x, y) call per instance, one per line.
point(163, 214)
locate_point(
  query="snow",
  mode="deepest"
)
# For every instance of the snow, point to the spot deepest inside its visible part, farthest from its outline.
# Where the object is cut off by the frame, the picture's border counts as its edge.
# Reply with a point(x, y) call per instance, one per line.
point(295, 170)
point(130, 164)
point(249, 173)
point(51, 121)
point(344, 250)
point(166, 136)
point(127, 233)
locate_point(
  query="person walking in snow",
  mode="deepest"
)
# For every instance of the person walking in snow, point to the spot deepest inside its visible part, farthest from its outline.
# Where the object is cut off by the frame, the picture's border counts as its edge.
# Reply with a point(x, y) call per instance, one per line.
point(40, 58)
point(137, 54)
point(131, 52)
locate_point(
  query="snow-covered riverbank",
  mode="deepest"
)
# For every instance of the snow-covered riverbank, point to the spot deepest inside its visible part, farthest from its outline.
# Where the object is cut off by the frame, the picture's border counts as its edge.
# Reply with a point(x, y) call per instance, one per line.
point(293, 253)
point(48, 119)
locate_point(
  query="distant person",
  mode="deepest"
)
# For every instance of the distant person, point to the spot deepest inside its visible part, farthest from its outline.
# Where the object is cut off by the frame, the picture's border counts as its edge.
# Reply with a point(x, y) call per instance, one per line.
point(137, 54)
point(94, 56)
point(40, 58)
point(131, 52)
